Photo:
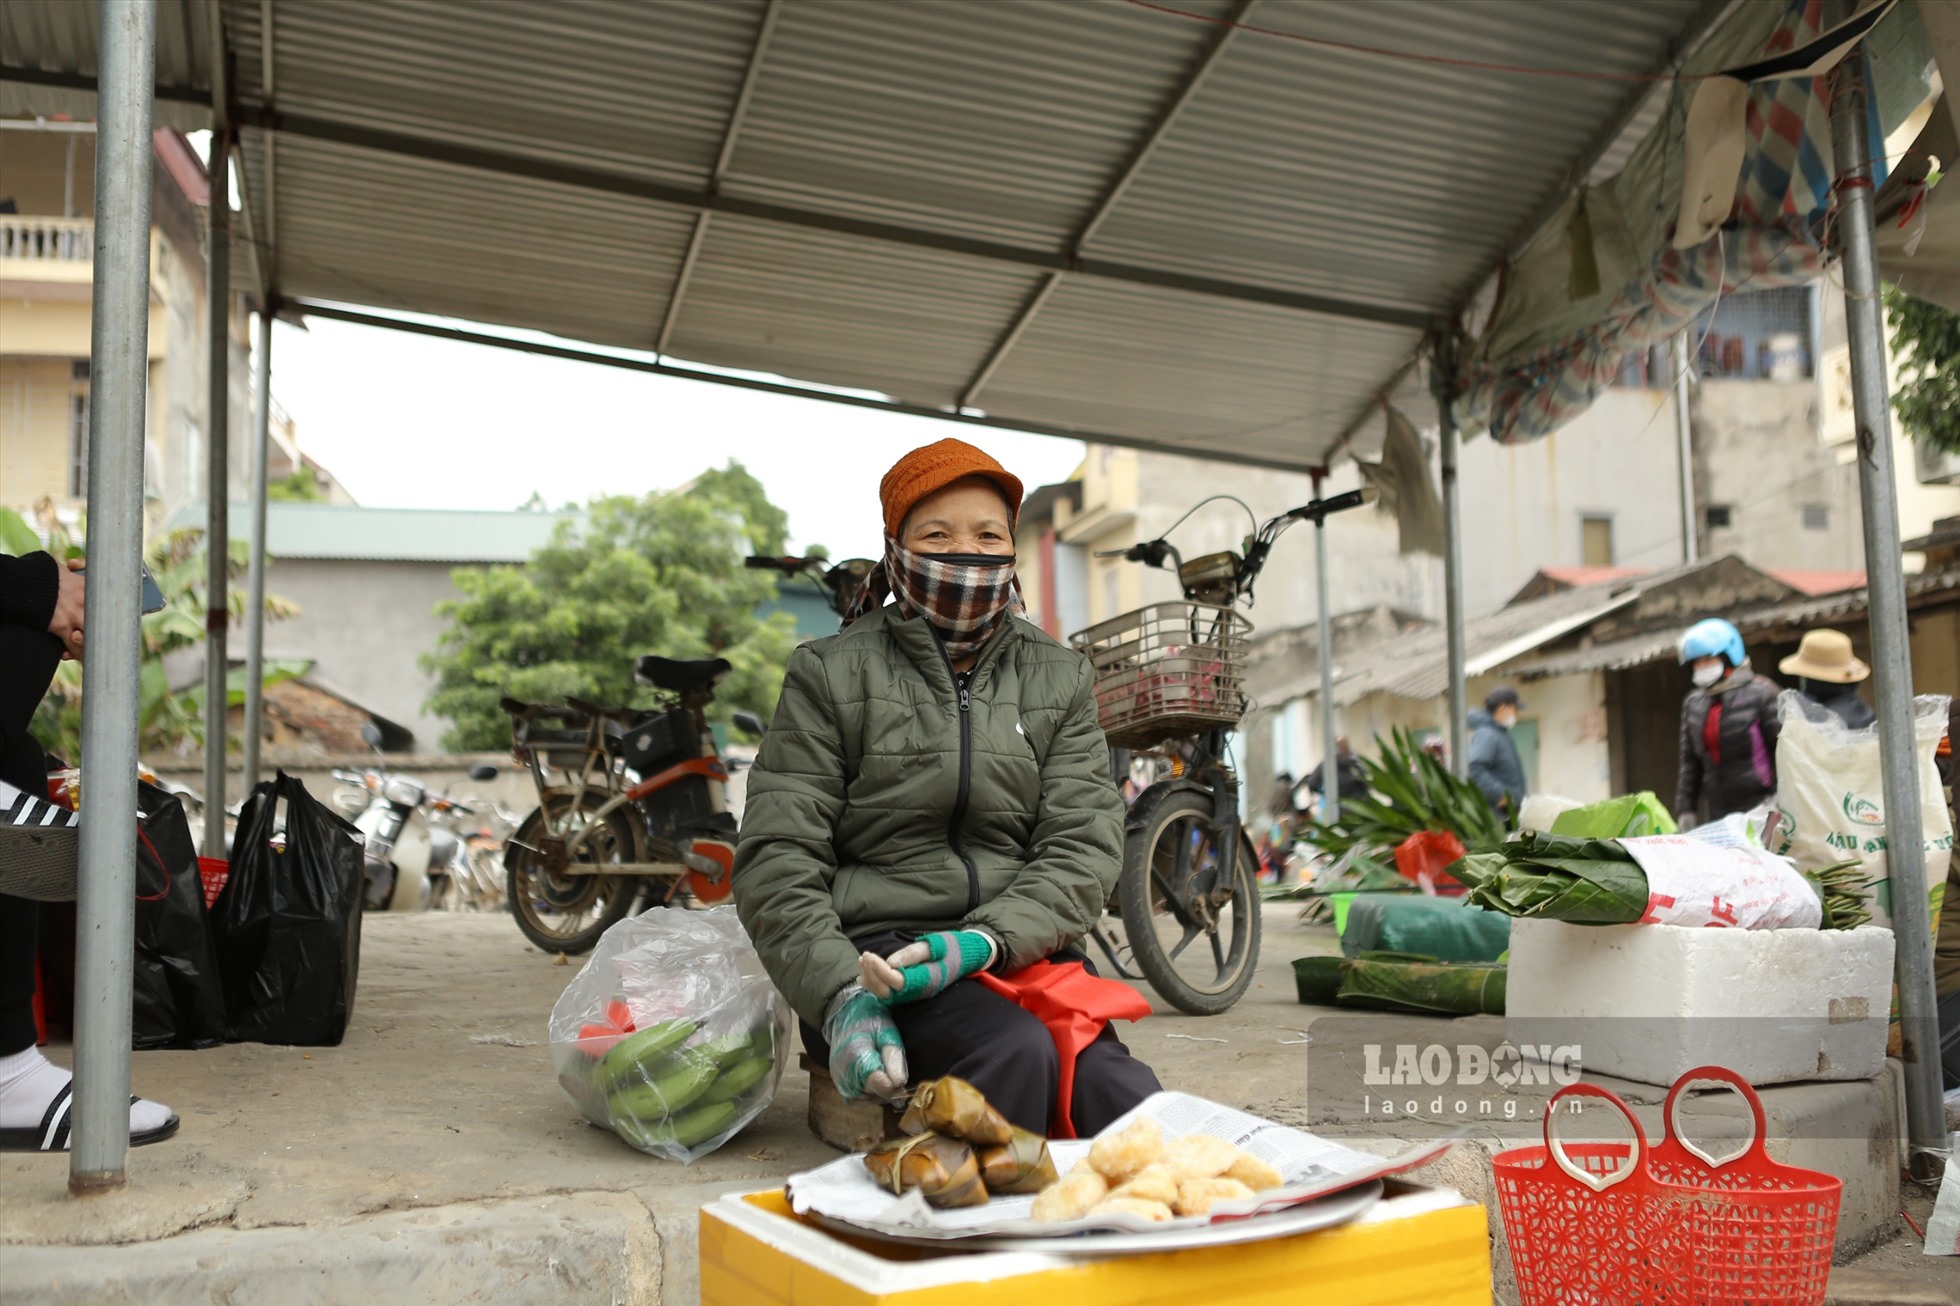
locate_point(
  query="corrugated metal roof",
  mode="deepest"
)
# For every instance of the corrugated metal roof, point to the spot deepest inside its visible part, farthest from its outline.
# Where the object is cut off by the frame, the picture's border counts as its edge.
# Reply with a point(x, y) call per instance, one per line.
point(1293, 171)
point(345, 532)
point(1656, 646)
point(1416, 665)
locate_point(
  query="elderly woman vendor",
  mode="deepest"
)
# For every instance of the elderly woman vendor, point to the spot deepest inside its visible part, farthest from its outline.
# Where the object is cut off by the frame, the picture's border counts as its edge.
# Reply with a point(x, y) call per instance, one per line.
point(931, 811)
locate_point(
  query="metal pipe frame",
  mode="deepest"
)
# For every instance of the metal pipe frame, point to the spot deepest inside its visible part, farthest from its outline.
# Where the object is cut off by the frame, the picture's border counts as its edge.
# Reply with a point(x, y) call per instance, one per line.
point(112, 666)
point(1871, 403)
point(1684, 435)
point(1443, 379)
point(1330, 771)
point(750, 75)
point(1113, 193)
point(337, 313)
point(255, 604)
point(217, 496)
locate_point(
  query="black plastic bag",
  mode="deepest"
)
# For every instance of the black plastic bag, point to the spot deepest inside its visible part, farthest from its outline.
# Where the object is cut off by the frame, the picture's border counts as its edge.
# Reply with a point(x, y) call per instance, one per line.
point(178, 1000)
point(289, 920)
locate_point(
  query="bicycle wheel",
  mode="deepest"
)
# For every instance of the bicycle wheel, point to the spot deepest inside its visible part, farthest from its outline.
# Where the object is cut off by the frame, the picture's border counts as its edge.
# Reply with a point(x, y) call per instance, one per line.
point(568, 913)
point(1195, 939)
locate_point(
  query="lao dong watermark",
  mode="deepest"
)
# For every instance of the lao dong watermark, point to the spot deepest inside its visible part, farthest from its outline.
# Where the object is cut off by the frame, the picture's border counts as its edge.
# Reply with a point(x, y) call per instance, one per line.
point(1475, 1082)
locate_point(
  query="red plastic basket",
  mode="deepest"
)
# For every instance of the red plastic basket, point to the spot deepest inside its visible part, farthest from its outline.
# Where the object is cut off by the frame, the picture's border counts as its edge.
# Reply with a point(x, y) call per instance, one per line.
point(1588, 1224)
point(1611, 1224)
point(213, 871)
point(1759, 1232)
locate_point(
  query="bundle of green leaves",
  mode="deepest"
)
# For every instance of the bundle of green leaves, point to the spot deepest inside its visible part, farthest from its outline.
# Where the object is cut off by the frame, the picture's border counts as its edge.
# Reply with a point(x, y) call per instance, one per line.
point(1409, 791)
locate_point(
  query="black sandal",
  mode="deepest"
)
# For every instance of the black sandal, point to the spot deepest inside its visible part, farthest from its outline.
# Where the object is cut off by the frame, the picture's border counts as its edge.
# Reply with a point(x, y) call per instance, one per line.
point(52, 1134)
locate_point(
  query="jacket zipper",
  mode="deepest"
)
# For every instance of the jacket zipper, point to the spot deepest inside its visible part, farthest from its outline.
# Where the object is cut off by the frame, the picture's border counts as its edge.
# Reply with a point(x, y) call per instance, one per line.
point(966, 784)
point(961, 687)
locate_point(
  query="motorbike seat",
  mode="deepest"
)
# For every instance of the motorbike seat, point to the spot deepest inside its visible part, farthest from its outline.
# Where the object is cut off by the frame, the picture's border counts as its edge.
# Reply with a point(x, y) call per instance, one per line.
point(677, 677)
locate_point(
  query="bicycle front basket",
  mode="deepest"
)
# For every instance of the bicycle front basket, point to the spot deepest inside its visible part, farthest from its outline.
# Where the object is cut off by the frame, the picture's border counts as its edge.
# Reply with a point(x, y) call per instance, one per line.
point(1169, 669)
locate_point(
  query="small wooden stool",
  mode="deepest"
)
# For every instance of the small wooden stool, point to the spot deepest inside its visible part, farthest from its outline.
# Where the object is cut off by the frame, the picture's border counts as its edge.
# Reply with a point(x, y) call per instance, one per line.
point(847, 1126)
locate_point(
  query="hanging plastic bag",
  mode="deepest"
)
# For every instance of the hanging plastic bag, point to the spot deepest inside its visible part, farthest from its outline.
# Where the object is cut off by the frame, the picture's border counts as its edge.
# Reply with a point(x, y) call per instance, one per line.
point(672, 1035)
point(1830, 800)
point(177, 1000)
point(289, 920)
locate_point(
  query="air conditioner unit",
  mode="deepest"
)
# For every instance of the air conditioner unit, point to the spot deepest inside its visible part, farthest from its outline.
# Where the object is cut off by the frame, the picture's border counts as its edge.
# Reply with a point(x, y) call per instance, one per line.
point(1937, 466)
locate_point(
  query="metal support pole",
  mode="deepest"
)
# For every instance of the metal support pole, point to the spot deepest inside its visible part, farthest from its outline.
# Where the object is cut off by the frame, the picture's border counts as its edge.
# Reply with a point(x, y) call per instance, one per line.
point(1890, 640)
point(255, 605)
point(119, 384)
point(1685, 444)
point(217, 495)
point(1330, 771)
point(1444, 380)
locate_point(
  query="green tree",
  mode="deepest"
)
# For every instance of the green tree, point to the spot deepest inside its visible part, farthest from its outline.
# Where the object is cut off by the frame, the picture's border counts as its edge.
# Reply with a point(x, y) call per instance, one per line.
point(660, 574)
point(167, 719)
point(1926, 343)
point(765, 526)
point(303, 486)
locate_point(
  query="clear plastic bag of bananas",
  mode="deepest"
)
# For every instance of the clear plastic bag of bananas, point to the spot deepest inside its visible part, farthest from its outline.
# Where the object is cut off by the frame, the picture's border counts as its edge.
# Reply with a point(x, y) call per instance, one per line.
point(672, 1035)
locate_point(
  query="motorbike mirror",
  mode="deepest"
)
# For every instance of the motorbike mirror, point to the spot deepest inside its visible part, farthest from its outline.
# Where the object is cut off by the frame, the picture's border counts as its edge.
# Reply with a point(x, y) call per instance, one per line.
point(748, 722)
point(483, 772)
point(371, 736)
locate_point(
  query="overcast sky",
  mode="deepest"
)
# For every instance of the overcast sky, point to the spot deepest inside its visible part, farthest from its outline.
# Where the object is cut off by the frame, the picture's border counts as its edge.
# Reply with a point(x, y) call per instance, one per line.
point(410, 421)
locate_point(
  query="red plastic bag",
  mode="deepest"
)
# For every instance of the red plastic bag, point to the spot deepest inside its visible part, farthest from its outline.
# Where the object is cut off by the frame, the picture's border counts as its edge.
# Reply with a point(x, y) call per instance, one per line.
point(1425, 856)
point(1075, 1006)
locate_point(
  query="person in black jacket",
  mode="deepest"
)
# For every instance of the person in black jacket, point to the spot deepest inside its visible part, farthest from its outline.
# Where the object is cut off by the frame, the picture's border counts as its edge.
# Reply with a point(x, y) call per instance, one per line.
point(1495, 766)
point(1729, 727)
point(1828, 675)
point(41, 609)
point(1347, 770)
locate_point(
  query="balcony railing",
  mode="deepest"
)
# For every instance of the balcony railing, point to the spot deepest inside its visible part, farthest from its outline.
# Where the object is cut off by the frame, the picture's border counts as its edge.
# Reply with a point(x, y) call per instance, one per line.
point(47, 240)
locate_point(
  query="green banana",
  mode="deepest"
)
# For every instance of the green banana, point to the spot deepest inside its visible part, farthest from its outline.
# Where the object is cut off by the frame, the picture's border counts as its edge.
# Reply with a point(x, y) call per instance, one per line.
point(737, 1080)
point(682, 1078)
point(617, 1066)
point(688, 1129)
point(725, 1051)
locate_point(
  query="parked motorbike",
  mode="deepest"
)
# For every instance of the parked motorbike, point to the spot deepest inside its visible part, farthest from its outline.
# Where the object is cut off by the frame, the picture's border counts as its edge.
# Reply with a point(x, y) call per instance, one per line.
point(633, 803)
point(414, 856)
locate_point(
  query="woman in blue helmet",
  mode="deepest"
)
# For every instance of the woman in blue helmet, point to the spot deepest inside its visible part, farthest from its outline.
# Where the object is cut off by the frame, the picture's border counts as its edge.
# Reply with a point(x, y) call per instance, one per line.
point(1729, 725)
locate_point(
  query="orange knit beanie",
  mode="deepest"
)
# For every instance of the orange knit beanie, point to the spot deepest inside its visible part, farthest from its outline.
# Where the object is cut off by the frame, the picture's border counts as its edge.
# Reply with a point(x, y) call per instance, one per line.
point(934, 467)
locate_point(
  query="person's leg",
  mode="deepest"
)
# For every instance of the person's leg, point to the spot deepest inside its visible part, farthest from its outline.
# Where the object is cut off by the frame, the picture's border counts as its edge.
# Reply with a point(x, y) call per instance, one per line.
point(28, 659)
point(34, 1092)
point(974, 1033)
point(990, 1042)
point(1108, 1082)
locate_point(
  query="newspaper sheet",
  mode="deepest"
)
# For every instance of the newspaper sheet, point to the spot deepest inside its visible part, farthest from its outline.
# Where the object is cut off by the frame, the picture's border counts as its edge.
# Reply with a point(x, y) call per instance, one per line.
point(1312, 1167)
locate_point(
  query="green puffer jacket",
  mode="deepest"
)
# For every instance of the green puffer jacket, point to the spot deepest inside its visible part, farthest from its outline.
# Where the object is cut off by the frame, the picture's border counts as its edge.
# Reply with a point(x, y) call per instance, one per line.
point(883, 799)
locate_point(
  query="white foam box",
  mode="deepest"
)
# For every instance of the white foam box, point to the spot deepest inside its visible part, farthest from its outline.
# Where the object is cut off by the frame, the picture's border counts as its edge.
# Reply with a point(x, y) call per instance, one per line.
point(1650, 1002)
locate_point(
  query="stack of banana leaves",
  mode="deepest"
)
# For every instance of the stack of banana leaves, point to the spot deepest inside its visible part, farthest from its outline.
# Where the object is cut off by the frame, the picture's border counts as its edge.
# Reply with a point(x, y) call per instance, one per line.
point(1597, 882)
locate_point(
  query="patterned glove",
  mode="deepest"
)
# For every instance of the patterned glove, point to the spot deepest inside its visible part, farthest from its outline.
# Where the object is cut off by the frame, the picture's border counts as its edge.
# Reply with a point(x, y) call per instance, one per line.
point(866, 1054)
point(948, 956)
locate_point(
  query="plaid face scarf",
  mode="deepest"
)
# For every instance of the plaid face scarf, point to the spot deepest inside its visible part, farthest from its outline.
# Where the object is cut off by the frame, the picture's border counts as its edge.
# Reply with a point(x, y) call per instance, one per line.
point(963, 596)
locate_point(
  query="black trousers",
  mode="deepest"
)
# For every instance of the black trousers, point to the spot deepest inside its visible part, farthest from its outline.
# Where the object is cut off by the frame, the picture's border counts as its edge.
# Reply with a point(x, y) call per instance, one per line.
point(27, 662)
point(974, 1033)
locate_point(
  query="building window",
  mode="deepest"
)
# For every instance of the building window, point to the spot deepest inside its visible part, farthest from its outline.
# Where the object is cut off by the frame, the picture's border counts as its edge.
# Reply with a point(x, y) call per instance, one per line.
point(1718, 516)
point(1596, 541)
point(1816, 517)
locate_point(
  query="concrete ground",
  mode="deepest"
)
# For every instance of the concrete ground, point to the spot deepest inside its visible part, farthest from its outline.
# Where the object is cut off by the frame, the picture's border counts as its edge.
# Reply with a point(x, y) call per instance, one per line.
point(432, 1157)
